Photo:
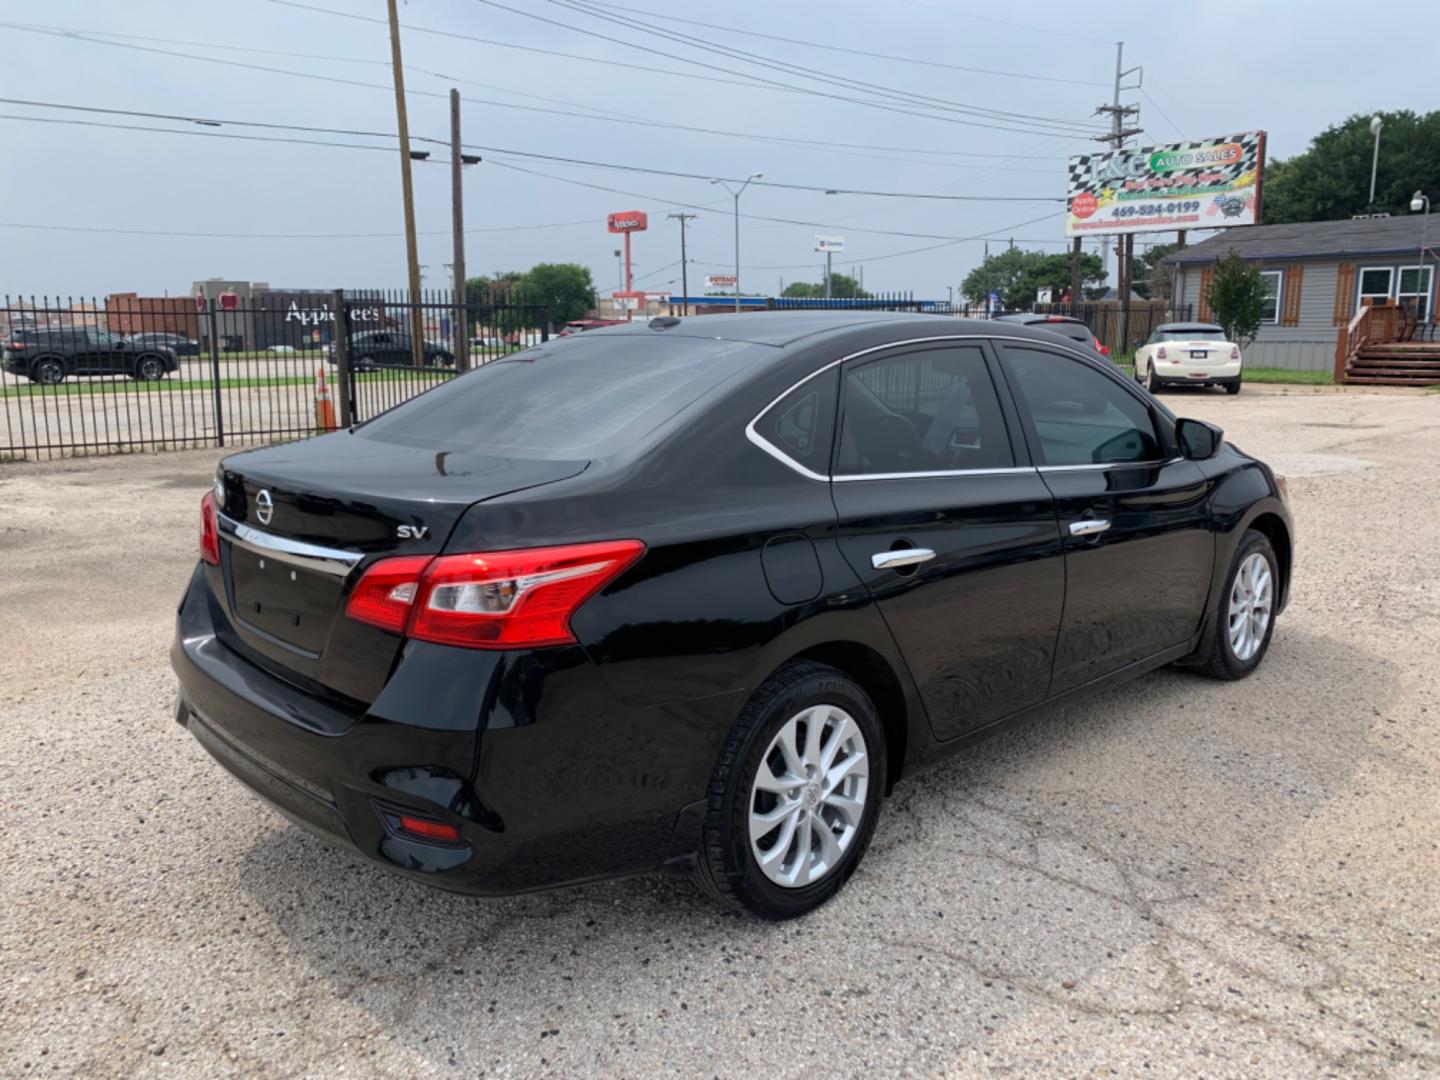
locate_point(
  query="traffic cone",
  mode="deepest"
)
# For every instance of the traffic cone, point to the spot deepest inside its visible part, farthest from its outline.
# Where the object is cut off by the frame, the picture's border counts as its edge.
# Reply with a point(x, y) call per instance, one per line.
point(324, 407)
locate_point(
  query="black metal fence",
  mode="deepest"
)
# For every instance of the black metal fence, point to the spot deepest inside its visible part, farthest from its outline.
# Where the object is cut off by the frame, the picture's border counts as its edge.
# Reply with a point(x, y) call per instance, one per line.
point(147, 373)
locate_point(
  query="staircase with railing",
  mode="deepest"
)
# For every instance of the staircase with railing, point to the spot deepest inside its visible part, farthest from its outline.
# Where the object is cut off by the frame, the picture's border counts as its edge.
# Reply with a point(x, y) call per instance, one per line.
point(1378, 347)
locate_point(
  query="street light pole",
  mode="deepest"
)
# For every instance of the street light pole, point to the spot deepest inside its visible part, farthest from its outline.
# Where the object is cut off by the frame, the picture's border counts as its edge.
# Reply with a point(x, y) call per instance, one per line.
point(1376, 123)
point(735, 194)
point(1420, 201)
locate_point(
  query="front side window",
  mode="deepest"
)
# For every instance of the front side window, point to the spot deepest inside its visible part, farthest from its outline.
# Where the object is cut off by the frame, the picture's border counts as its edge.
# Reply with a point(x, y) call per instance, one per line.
point(1270, 284)
point(1079, 415)
point(934, 410)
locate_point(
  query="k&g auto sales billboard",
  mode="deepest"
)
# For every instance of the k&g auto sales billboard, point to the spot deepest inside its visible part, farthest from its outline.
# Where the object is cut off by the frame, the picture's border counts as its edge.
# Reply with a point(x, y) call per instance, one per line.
point(1205, 184)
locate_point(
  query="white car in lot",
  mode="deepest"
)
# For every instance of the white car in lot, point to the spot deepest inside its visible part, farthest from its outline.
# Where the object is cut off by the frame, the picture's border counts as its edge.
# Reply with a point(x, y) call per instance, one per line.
point(1195, 353)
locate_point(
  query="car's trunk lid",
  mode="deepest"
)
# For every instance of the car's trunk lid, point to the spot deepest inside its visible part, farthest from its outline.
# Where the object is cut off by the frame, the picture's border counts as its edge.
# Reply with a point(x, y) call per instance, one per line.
point(301, 522)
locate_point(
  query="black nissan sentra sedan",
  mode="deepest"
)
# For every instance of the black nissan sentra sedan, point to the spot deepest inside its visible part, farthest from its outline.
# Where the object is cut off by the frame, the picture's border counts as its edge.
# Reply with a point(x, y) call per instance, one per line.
point(695, 593)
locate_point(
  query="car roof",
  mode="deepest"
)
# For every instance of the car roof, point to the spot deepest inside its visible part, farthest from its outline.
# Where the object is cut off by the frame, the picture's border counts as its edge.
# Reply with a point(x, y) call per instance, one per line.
point(781, 328)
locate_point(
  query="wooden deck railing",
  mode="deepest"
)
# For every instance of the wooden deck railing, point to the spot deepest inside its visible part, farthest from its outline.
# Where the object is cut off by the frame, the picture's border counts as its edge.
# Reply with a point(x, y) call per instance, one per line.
point(1373, 324)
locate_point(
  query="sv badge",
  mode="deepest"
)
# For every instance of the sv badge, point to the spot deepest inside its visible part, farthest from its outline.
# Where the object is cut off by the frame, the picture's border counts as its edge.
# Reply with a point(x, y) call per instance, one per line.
point(412, 532)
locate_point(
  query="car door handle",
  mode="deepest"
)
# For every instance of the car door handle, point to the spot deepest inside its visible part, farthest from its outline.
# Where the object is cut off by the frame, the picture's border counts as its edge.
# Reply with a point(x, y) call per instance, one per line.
point(1089, 527)
point(893, 560)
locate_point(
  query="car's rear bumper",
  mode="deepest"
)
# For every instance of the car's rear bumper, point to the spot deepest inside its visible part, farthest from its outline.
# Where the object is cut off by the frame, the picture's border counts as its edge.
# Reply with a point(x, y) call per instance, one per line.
point(1198, 373)
point(547, 777)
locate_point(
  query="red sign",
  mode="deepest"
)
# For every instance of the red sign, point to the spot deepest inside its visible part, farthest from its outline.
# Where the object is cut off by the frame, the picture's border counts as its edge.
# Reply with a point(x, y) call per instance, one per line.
point(628, 221)
point(1083, 205)
point(229, 301)
point(199, 301)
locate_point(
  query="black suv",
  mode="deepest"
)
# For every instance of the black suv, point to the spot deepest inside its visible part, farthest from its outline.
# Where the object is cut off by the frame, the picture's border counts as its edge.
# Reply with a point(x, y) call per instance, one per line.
point(178, 344)
point(389, 348)
point(49, 354)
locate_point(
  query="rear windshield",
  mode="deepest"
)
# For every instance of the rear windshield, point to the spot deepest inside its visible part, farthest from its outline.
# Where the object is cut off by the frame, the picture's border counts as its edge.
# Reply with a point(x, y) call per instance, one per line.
point(1191, 333)
point(575, 397)
point(1073, 330)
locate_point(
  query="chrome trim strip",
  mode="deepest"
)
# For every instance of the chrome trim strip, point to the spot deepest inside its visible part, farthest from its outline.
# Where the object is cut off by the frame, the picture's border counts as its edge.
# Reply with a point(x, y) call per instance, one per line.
point(295, 552)
point(1111, 465)
point(1017, 470)
point(809, 474)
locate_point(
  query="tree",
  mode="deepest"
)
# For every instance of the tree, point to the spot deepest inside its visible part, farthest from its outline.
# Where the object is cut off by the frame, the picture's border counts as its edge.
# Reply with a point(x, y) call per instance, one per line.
point(566, 289)
point(1330, 181)
point(842, 286)
point(1017, 275)
point(481, 291)
point(1237, 297)
point(1149, 277)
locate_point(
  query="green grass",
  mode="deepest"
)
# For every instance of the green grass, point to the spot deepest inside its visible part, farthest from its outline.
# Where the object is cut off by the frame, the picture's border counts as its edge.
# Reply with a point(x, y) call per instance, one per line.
point(1264, 375)
point(124, 386)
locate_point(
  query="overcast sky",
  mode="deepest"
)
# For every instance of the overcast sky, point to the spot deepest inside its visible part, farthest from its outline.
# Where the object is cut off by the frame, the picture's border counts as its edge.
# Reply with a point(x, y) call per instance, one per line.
point(298, 215)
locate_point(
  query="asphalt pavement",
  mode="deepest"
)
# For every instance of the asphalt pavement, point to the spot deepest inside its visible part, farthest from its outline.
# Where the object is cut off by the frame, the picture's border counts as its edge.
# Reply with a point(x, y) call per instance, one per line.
point(1178, 877)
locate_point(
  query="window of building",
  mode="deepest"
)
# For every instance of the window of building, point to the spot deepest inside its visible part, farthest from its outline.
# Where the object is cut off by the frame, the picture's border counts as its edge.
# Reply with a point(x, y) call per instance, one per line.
point(1415, 289)
point(1376, 283)
point(1270, 284)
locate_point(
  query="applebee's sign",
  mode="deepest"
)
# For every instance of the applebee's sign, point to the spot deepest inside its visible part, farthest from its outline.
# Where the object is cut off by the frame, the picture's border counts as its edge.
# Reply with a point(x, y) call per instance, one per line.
point(627, 221)
point(316, 316)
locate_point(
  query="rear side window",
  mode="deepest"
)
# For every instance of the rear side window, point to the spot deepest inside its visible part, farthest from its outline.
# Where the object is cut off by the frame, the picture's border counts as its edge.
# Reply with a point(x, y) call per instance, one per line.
point(1073, 331)
point(1079, 415)
point(800, 424)
point(933, 410)
point(575, 397)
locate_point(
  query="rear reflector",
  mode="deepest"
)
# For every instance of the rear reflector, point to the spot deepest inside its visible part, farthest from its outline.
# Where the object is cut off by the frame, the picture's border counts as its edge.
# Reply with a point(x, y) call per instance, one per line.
point(489, 600)
point(430, 830)
point(209, 530)
point(1234, 352)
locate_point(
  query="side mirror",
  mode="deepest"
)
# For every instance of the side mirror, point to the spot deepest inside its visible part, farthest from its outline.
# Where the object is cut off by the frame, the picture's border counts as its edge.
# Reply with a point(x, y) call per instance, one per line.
point(1198, 440)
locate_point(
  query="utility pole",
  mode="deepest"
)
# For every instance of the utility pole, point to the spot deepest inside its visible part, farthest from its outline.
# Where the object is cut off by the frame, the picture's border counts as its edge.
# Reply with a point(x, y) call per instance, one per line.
point(828, 255)
point(459, 322)
point(684, 265)
point(1119, 133)
point(412, 252)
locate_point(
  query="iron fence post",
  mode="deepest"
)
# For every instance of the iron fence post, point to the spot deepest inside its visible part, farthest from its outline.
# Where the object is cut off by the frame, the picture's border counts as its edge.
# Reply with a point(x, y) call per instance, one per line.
point(340, 341)
point(215, 372)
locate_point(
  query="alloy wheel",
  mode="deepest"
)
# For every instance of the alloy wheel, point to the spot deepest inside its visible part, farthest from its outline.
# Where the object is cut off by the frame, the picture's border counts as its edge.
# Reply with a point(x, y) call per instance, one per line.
point(809, 796)
point(1250, 602)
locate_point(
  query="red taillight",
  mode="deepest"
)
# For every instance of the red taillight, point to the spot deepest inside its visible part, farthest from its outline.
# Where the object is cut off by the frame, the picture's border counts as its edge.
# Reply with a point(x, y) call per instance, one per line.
point(1234, 352)
point(431, 830)
point(1101, 348)
point(492, 600)
point(15, 345)
point(209, 530)
point(386, 593)
point(1160, 353)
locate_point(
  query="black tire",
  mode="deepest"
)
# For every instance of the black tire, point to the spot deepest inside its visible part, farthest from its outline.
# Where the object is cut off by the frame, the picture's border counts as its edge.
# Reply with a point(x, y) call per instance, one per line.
point(1219, 660)
point(365, 363)
point(1233, 386)
point(726, 867)
point(48, 371)
point(149, 369)
point(1150, 382)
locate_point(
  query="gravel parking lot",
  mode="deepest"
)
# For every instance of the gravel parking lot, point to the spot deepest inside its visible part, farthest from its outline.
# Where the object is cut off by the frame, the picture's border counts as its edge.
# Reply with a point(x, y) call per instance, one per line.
point(1175, 878)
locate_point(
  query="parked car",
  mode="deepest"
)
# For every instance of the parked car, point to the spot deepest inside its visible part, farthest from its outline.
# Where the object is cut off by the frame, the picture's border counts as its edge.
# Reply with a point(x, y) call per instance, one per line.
point(51, 355)
point(665, 595)
point(373, 349)
point(1195, 353)
point(281, 350)
point(178, 344)
point(1064, 325)
point(578, 326)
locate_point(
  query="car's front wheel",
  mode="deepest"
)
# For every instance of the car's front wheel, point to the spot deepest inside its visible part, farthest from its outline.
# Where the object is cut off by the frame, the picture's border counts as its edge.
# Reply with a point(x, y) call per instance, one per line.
point(1245, 620)
point(795, 794)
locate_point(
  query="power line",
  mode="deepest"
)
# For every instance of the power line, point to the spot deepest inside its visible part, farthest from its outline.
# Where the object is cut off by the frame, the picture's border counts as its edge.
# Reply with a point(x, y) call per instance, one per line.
point(810, 91)
point(853, 52)
point(828, 146)
point(892, 93)
point(559, 159)
point(1163, 114)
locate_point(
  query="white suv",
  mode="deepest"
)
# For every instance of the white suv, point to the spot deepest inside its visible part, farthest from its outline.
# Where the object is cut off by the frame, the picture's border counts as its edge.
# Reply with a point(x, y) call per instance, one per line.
point(1189, 353)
